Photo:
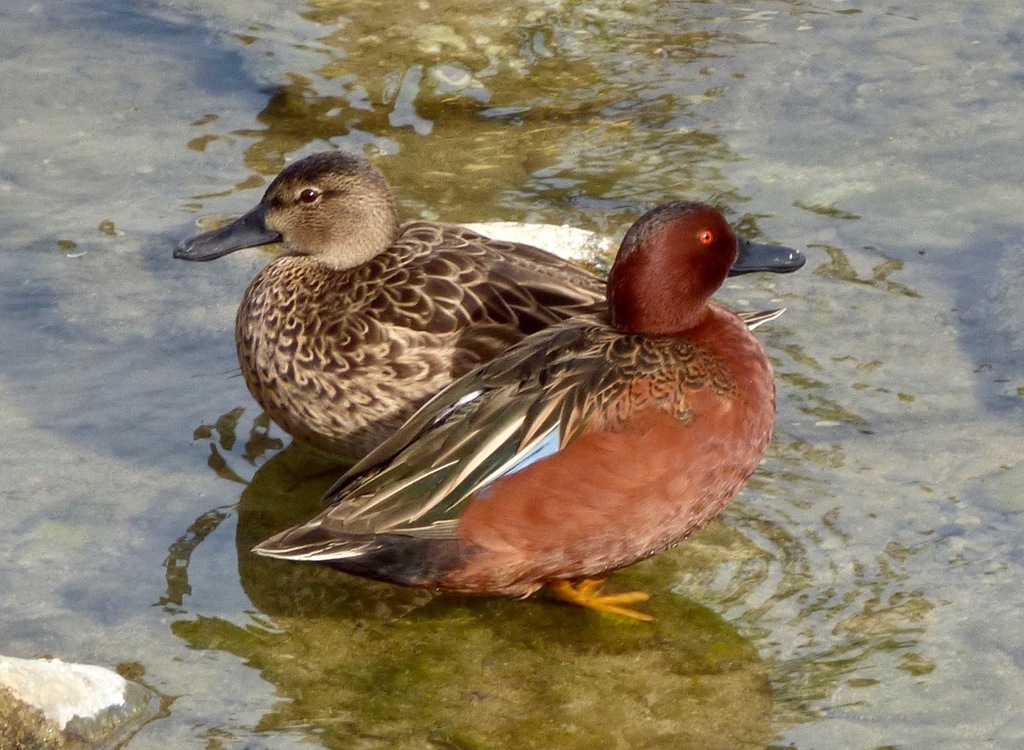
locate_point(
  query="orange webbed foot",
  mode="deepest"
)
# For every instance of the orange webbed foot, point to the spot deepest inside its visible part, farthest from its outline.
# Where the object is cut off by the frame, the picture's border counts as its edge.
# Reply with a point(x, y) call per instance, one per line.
point(587, 593)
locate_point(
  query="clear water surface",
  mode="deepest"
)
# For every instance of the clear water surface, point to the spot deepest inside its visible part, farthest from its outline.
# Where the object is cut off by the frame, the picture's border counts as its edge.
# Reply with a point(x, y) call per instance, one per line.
point(863, 591)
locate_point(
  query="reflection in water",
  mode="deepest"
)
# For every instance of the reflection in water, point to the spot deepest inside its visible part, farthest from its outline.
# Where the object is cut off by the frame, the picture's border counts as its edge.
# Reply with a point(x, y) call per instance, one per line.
point(841, 269)
point(222, 435)
point(179, 554)
point(373, 665)
point(497, 106)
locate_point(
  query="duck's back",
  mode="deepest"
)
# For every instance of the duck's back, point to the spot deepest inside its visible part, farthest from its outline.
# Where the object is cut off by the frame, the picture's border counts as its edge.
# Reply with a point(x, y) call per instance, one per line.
point(340, 359)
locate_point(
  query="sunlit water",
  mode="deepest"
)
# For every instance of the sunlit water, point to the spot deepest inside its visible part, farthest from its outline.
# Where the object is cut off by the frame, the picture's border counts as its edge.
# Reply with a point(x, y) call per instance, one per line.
point(862, 592)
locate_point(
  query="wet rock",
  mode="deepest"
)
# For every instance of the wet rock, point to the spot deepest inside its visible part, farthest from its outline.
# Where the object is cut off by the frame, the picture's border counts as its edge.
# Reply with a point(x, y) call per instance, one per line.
point(565, 241)
point(47, 703)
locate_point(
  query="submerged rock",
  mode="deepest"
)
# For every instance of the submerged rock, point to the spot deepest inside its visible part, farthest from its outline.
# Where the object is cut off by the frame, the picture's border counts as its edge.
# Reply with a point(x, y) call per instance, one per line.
point(47, 703)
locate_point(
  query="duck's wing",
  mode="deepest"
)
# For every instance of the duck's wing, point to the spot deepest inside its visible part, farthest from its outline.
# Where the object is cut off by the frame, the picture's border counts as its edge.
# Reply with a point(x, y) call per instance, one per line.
point(520, 282)
point(477, 296)
point(494, 421)
point(755, 319)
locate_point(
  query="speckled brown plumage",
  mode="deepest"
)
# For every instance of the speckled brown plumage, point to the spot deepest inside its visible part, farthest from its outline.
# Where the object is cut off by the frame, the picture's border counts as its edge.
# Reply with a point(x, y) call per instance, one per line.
point(362, 320)
point(340, 359)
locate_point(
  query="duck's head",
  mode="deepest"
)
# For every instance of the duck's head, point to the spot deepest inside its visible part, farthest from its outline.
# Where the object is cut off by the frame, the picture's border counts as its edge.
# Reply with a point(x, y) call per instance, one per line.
point(333, 206)
point(673, 259)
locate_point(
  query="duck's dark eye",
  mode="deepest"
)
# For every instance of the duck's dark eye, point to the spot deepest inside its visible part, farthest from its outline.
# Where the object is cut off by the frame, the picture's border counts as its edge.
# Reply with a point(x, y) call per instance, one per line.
point(706, 237)
point(309, 195)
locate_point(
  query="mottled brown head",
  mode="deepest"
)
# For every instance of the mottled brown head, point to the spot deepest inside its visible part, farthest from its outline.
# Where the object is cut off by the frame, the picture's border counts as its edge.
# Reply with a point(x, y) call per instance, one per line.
point(669, 264)
point(334, 206)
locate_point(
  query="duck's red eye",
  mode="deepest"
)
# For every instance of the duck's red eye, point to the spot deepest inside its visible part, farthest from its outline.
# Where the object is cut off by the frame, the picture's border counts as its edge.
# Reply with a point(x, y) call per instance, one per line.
point(309, 195)
point(707, 237)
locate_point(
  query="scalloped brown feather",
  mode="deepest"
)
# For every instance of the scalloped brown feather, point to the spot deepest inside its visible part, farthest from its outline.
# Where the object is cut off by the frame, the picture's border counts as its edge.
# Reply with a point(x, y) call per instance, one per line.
point(340, 359)
point(342, 338)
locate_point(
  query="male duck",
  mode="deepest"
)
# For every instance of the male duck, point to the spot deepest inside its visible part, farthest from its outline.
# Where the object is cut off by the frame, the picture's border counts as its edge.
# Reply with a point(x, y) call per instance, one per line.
point(362, 319)
point(585, 448)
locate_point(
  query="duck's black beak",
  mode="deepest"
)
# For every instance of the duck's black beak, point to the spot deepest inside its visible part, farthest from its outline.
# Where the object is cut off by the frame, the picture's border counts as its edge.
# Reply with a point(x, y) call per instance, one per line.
point(756, 256)
point(246, 231)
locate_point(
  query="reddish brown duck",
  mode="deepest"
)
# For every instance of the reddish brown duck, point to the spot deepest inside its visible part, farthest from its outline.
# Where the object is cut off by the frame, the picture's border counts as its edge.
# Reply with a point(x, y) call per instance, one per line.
point(362, 319)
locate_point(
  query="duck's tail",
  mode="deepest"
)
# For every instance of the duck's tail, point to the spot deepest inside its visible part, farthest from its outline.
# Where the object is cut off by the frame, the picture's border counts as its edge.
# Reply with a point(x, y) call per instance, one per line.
point(392, 558)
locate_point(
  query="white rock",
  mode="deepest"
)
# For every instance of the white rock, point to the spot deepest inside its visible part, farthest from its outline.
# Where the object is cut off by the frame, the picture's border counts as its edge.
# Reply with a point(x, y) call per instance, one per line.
point(567, 242)
point(60, 690)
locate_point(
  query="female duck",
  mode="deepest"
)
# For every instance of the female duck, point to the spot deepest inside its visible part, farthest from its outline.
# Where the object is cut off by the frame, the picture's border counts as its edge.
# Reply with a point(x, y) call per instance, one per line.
point(362, 320)
point(585, 448)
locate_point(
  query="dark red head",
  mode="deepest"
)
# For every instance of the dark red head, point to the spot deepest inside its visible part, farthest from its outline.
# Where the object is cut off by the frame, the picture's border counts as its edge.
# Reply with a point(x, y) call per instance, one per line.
point(669, 264)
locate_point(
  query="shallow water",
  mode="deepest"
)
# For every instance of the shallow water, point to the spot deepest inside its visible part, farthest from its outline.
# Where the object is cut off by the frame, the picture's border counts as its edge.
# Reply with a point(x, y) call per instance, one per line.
point(862, 591)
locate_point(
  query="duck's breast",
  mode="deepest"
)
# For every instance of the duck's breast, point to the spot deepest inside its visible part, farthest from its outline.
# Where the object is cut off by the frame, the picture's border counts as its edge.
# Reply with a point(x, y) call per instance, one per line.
point(335, 359)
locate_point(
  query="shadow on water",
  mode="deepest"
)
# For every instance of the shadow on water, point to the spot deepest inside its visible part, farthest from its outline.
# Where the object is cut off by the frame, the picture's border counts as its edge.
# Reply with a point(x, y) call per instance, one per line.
point(989, 309)
point(366, 664)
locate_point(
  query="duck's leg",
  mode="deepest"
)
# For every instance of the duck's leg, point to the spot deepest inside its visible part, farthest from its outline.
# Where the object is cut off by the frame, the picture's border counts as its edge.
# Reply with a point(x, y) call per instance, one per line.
point(587, 593)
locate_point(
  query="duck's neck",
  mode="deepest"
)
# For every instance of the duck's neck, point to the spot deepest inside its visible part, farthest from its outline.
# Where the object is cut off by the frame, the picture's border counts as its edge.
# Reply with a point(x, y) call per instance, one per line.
point(657, 304)
point(652, 319)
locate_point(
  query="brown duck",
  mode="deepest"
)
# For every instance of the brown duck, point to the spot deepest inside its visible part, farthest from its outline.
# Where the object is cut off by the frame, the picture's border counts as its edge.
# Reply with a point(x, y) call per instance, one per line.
point(583, 449)
point(361, 320)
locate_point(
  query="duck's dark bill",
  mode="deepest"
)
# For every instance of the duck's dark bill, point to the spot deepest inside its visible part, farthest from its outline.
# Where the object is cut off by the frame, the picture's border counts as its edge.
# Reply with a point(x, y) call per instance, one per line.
point(756, 256)
point(247, 231)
